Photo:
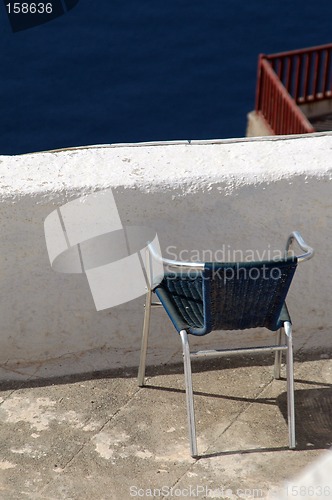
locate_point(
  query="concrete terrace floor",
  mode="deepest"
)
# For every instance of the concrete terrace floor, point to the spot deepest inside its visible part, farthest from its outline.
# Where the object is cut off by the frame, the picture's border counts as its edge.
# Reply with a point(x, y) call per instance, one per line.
point(99, 436)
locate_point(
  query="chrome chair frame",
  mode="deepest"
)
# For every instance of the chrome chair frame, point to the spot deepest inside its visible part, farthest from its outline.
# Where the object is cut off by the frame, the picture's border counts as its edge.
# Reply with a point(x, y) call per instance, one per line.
point(278, 348)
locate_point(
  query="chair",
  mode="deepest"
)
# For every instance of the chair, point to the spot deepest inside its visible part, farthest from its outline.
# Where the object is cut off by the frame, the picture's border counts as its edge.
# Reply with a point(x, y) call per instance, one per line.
point(203, 297)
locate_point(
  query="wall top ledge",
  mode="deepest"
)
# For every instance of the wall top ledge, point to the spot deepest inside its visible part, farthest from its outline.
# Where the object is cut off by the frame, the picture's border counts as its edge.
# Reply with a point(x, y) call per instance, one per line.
point(166, 165)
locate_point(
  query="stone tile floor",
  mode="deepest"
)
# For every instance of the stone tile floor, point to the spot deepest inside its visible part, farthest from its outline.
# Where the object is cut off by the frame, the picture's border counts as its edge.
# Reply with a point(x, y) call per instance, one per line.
point(99, 436)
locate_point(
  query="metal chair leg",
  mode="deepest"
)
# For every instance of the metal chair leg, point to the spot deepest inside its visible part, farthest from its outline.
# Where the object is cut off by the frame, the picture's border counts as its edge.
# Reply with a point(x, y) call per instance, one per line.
point(144, 345)
point(189, 393)
point(278, 357)
point(290, 385)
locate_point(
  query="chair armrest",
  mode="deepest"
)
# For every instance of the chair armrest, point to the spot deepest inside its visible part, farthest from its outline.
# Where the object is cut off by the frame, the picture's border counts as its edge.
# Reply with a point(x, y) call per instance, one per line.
point(309, 251)
point(175, 263)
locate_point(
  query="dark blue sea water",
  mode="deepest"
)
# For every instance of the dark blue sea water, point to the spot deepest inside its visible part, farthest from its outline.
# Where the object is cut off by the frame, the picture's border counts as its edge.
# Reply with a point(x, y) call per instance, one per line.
point(143, 70)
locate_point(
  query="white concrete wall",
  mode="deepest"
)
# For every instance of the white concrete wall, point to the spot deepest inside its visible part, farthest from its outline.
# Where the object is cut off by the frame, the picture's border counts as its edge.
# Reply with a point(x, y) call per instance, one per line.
point(248, 194)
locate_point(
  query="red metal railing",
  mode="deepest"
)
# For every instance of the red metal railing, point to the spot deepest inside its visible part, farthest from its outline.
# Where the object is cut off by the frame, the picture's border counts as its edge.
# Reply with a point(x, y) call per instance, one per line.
point(291, 78)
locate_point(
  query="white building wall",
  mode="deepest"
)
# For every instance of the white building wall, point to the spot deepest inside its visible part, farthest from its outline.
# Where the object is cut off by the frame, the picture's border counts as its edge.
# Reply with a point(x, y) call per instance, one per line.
point(223, 195)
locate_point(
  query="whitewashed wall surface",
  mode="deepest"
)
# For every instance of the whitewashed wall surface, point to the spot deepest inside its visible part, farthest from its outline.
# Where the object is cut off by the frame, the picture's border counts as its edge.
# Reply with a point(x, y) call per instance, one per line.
point(211, 196)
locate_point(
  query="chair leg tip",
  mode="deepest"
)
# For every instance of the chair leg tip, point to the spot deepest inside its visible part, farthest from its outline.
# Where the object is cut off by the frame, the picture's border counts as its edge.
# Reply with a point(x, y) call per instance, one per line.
point(194, 453)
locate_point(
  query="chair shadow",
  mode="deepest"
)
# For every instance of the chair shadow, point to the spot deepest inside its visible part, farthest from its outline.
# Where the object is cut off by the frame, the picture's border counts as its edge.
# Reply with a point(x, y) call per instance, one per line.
point(313, 415)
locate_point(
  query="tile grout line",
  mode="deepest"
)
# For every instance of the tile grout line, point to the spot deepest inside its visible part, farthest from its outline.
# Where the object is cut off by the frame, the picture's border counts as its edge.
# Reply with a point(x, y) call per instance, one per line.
point(89, 439)
point(250, 404)
point(230, 424)
point(19, 382)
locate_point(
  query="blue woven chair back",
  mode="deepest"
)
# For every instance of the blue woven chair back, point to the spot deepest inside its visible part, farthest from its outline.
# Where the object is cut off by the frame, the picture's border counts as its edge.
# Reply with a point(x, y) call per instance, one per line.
point(237, 296)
